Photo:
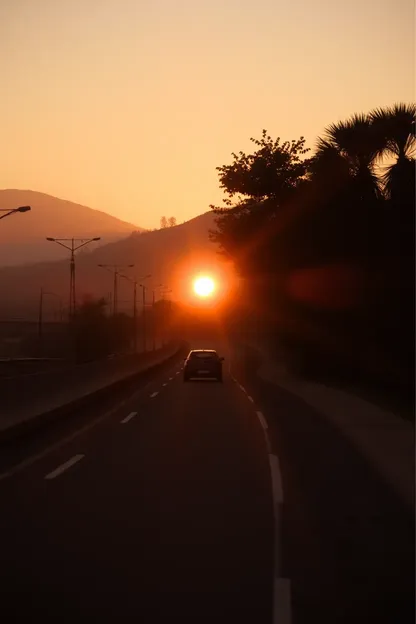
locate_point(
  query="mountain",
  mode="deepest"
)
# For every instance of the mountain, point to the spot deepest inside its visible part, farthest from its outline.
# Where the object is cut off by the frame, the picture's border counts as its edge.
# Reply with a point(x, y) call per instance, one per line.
point(22, 236)
point(172, 256)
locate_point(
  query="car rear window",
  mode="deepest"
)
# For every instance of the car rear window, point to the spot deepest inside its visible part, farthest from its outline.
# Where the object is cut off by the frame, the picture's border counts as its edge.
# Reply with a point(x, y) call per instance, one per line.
point(203, 356)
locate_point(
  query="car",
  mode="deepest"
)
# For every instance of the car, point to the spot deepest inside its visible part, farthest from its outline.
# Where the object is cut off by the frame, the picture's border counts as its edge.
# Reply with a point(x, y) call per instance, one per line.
point(203, 364)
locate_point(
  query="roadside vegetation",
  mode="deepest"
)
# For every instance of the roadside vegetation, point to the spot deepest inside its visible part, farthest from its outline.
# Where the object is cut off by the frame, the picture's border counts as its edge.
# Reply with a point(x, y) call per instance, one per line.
point(324, 242)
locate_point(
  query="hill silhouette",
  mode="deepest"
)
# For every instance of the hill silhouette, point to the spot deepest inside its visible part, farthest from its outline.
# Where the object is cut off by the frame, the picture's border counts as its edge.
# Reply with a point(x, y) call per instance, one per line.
point(22, 237)
point(170, 255)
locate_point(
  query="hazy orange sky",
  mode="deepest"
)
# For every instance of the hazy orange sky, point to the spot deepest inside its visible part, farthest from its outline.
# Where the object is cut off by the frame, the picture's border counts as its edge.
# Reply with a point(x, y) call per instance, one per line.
point(129, 105)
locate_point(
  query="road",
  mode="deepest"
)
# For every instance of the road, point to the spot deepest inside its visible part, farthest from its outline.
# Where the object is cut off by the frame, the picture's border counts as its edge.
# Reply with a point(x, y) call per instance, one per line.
point(169, 507)
point(163, 513)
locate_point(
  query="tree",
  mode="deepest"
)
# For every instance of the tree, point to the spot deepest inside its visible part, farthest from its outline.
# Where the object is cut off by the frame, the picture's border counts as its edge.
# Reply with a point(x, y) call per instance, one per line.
point(163, 223)
point(258, 188)
point(172, 221)
point(349, 151)
point(308, 232)
point(271, 173)
point(395, 127)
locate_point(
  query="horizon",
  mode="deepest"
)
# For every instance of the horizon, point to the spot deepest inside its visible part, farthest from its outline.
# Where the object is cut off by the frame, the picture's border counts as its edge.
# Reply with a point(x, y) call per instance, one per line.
point(67, 199)
point(135, 109)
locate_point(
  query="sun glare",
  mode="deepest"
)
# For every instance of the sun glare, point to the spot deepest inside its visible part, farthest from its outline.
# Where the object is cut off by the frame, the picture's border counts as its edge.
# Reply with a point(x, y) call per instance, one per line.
point(204, 286)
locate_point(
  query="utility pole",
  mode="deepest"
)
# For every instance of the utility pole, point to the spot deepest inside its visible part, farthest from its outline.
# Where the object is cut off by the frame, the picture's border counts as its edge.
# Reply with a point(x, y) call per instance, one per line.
point(154, 315)
point(114, 268)
point(135, 282)
point(73, 247)
point(166, 291)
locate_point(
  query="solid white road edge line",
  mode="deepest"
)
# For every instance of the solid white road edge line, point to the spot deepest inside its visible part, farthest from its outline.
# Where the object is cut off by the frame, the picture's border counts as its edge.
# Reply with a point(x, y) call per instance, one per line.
point(282, 611)
point(58, 471)
point(277, 488)
point(262, 420)
point(127, 418)
point(152, 396)
point(250, 398)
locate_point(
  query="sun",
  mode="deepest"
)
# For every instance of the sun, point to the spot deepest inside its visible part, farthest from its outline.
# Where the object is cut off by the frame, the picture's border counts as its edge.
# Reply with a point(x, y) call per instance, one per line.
point(204, 286)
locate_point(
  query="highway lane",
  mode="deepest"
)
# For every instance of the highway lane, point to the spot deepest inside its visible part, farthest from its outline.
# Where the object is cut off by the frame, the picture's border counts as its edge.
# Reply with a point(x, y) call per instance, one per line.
point(14, 451)
point(162, 511)
point(348, 539)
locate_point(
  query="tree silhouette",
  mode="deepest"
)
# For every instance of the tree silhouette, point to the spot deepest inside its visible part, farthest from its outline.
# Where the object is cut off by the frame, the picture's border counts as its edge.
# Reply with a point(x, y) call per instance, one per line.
point(163, 223)
point(332, 222)
point(172, 221)
point(396, 128)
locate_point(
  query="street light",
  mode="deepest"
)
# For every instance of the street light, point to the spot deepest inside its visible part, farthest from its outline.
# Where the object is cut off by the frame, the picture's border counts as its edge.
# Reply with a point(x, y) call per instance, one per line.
point(135, 282)
point(72, 248)
point(8, 212)
point(114, 268)
point(166, 291)
point(154, 315)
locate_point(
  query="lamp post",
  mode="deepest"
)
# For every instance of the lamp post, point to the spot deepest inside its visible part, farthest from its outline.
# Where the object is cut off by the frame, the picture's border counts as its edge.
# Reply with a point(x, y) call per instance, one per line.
point(166, 291)
point(135, 282)
point(8, 212)
point(114, 268)
point(153, 314)
point(72, 247)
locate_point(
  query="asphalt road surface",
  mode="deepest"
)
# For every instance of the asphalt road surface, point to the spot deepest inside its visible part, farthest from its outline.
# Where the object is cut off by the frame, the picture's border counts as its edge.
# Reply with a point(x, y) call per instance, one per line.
point(201, 502)
point(160, 512)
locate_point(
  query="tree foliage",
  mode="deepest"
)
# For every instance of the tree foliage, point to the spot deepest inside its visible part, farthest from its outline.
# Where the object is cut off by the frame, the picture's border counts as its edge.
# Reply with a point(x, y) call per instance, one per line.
point(287, 214)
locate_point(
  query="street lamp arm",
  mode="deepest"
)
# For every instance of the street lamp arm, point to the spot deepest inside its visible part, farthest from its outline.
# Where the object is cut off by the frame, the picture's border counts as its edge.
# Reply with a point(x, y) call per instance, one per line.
point(87, 242)
point(13, 211)
point(127, 278)
point(3, 216)
point(53, 240)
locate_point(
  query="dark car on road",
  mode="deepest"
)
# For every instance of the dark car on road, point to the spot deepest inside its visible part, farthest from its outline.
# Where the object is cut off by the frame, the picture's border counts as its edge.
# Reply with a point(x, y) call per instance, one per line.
point(203, 364)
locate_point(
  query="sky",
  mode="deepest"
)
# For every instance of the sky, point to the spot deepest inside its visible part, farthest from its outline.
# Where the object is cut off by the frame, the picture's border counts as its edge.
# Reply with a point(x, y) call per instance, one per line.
point(128, 106)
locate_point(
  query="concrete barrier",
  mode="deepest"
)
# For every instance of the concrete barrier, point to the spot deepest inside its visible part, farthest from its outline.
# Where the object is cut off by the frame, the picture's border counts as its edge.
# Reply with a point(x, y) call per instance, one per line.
point(33, 400)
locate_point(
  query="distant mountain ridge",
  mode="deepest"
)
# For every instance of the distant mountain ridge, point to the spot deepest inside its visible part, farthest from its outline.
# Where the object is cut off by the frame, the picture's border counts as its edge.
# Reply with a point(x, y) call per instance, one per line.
point(172, 256)
point(22, 236)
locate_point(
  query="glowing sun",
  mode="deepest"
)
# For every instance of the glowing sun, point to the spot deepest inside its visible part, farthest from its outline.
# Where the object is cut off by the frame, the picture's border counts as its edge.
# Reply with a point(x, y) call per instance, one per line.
point(204, 286)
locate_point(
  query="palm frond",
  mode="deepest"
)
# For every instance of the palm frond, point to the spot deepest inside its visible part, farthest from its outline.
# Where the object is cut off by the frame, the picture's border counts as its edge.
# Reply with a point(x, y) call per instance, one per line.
point(398, 179)
point(395, 127)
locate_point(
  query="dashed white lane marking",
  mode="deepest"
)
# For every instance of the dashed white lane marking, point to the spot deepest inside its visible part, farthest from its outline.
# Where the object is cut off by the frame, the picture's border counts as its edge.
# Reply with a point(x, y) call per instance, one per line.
point(177, 372)
point(129, 417)
point(55, 473)
point(277, 488)
point(152, 396)
point(165, 384)
point(262, 420)
point(170, 378)
point(282, 612)
point(243, 389)
point(250, 398)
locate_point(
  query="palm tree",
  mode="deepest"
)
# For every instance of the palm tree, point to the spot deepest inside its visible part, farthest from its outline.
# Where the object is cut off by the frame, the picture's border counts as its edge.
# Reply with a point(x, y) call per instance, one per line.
point(349, 151)
point(395, 127)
